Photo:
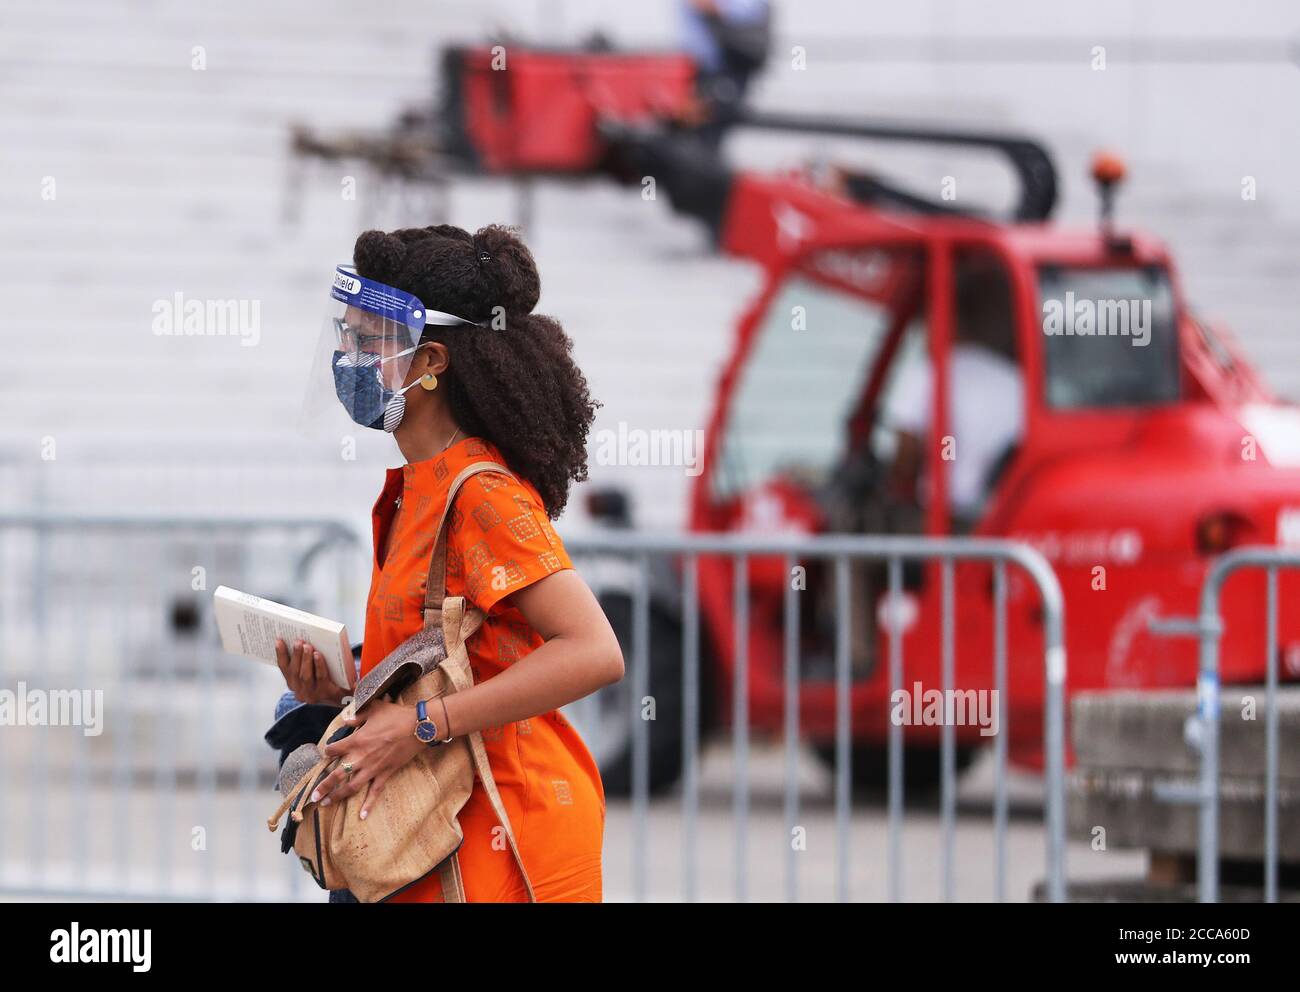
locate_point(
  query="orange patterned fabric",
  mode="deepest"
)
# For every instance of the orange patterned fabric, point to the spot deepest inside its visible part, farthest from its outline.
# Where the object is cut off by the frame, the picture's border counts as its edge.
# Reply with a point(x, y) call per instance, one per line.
point(499, 540)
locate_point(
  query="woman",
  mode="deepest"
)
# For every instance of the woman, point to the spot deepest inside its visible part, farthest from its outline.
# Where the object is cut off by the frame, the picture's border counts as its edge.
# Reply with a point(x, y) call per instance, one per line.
point(498, 383)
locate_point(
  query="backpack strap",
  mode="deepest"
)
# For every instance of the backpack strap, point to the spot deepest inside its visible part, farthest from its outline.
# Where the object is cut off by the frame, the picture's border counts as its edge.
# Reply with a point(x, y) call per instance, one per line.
point(460, 679)
point(466, 622)
point(435, 589)
point(453, 886)
point(489, 783)
point(290, 797)
point(300, 788)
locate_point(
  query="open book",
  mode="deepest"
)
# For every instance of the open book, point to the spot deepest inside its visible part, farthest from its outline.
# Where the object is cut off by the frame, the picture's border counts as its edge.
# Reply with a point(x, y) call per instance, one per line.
point(249, 625)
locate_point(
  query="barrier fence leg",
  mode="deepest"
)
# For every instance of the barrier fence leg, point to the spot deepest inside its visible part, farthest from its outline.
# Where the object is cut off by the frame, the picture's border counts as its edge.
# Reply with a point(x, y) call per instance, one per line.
point(843, 757)
point(1270, 748)
point(1207, 856)
point(791, 731)
point(691, 718)
point(740, 729)
point(896, 756)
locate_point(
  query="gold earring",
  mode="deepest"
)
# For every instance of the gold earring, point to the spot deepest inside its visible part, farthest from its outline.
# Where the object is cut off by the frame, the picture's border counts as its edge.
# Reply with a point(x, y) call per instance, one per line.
point(429, 381)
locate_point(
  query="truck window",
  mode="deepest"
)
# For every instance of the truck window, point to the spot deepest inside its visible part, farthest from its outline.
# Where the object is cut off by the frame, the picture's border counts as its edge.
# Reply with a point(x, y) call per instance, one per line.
point(796, 390)
point(1109, 337)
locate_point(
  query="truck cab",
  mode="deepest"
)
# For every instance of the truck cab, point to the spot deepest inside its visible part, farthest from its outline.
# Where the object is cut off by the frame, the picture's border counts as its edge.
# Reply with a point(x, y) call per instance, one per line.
point(1142, 444)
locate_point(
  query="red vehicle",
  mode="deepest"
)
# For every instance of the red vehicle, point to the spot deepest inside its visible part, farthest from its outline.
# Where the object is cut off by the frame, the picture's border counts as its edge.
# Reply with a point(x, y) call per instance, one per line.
point(1136, 463)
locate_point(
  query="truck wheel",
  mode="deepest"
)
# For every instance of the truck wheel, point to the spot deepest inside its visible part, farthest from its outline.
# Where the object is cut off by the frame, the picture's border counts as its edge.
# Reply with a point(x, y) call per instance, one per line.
point(921, 765)
point(606, 718)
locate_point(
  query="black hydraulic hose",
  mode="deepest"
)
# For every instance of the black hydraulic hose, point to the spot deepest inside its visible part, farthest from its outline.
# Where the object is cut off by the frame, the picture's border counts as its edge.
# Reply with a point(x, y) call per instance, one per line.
point(1029, 160)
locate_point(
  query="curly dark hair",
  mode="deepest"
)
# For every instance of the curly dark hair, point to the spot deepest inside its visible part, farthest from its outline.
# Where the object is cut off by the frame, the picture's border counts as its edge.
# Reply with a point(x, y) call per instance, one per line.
point(512, 382)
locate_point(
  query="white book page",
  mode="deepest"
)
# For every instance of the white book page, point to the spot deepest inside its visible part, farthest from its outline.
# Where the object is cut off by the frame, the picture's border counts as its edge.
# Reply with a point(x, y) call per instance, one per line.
point(249, 626)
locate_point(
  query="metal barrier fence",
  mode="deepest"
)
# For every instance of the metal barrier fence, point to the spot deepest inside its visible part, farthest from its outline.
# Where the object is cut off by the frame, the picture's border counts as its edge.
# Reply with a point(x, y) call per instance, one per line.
point(110, 616)
point(121, 603)
point(1208, 627)
point(841, 550)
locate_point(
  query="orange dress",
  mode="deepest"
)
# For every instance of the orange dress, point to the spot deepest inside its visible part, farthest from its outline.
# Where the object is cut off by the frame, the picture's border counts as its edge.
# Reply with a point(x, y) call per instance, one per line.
point(499, 540)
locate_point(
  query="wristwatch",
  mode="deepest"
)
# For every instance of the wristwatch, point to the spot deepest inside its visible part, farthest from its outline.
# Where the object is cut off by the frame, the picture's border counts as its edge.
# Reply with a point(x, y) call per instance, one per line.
point(426, 731)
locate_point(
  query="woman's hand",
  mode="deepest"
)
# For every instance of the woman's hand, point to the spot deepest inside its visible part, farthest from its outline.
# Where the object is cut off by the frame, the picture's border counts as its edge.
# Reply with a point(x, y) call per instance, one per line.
point(383, 742)
point(305, 673)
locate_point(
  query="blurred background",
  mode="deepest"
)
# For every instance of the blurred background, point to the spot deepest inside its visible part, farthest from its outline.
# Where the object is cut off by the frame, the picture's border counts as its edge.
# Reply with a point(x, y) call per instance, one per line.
point(149, 160)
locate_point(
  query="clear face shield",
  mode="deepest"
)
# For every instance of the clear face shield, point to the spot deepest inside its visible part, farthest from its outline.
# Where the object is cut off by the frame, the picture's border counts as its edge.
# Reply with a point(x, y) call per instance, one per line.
point(367, 342)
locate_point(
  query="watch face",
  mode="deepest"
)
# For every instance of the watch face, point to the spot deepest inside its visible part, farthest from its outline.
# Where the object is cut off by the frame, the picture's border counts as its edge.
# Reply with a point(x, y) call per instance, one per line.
point(425, 732)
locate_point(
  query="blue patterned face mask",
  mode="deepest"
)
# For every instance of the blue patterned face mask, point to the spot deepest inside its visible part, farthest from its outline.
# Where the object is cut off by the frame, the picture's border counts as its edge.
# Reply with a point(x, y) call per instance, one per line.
point(360, 386)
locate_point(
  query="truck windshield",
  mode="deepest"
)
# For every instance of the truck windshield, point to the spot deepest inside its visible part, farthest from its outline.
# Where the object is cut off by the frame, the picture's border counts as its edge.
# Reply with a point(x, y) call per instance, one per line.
point(804, 373)
point(1109, 337)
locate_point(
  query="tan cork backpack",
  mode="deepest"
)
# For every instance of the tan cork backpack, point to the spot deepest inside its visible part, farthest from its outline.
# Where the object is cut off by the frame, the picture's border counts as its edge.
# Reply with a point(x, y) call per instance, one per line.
point(412, 829)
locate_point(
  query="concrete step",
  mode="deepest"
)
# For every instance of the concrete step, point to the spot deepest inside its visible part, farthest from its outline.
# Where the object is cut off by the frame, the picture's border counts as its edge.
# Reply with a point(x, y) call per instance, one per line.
point(1144, 730)
point(1136, 756)
point(1127, 890)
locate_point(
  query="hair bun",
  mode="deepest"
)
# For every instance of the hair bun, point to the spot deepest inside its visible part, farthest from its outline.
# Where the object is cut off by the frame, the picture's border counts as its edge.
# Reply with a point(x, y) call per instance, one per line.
point(378, 252)
point(449, 269)
point(508, 268)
